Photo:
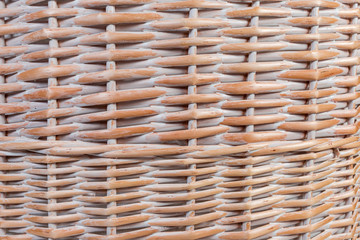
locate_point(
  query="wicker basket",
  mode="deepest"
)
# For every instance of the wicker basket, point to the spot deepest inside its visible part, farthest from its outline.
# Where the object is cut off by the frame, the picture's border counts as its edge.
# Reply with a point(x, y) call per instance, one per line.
point(179, 120)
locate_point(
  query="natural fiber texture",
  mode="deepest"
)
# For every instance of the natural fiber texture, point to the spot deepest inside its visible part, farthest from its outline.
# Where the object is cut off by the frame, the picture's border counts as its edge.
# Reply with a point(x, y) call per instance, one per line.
point(194, 119)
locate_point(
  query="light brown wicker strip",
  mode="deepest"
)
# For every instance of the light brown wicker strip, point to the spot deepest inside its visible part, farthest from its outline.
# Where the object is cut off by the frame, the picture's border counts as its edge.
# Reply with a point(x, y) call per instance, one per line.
point(186, 119)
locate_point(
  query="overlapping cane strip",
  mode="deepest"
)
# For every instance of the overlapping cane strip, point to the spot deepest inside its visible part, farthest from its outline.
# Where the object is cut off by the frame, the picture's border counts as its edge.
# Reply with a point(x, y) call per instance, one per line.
point(191, 119)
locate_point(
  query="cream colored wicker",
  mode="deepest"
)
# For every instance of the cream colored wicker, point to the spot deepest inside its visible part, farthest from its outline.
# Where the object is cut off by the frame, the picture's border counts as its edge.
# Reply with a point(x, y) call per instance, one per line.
point(179, 120)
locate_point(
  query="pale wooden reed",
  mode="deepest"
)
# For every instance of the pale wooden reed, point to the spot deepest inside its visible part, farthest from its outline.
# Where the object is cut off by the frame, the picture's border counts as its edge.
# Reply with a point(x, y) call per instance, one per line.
point(194, 119)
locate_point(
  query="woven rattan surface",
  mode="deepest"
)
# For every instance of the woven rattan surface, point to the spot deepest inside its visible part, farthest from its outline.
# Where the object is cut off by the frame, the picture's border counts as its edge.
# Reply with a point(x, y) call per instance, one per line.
point(194, 119)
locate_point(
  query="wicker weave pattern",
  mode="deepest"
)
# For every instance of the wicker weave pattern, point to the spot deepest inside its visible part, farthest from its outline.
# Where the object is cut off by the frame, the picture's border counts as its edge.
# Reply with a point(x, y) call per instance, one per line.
point(194, 119)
